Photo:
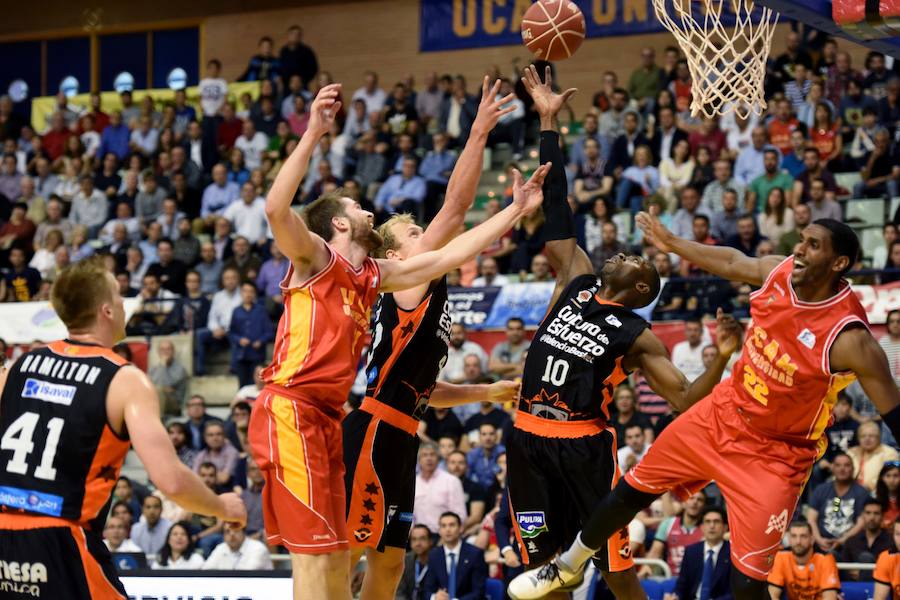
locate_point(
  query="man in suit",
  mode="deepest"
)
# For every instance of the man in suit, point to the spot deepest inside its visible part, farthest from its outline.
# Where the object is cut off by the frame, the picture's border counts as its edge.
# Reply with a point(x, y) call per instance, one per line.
point(706, 568)
point(456, 570)
point(415, 565)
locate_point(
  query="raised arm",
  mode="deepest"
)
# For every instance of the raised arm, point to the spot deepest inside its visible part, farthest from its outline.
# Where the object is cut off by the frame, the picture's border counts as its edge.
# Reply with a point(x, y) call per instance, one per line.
point(566, 258)
point(133, 401)
point(650, 355)
point(464, 180)
point(448, 395)
point(728, 263)
point(403, 274)
point(306, 250)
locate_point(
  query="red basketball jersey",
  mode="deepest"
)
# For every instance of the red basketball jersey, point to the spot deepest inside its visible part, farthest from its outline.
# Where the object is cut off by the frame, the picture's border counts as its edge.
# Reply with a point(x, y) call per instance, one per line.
point(323, 329)
point(783, 380)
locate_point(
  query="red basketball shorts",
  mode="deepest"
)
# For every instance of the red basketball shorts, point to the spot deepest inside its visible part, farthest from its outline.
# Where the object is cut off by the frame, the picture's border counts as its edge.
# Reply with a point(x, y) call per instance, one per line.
point(761, 478)
point(298, 448)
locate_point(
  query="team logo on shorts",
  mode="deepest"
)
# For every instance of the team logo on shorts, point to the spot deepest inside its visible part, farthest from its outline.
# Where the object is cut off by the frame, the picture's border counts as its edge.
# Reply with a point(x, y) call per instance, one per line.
point(362, 534)
point(777, 522)
point(531, 524)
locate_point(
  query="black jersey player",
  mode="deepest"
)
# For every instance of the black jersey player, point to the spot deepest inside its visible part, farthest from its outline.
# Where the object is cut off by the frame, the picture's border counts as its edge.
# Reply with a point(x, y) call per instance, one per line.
point(408, 349)
point(69, 412)
point(562, 452)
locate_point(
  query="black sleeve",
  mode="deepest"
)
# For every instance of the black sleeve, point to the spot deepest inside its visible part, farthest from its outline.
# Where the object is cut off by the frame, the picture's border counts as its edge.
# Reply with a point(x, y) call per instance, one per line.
point(559, 223)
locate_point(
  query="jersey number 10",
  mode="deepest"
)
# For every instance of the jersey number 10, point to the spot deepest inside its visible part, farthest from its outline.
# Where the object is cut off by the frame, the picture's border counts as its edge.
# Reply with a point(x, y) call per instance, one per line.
point(556, 371)
point(18, 438)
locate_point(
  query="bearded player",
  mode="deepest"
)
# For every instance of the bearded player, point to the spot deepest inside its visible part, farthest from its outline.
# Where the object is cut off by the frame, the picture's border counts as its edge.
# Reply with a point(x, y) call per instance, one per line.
point(562, 452)
point(759, 433)
point(329, 289)
point(409, 348)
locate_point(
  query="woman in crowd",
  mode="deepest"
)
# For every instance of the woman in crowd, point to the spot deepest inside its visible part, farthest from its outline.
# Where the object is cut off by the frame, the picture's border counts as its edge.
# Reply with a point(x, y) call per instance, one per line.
point(825, 136)
point(180, 436)
point(778, 218)
point(638, 181)
point(627, 415)
point(237, 172)
point(887, 491)
point(79, 248)
point(178, 552)
point(675, 173)
point(870, 455)
point(703, 169)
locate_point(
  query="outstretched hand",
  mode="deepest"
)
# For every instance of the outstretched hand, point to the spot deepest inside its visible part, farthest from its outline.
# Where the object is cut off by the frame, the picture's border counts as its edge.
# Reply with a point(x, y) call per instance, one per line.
point(546, 102)
point(529, 195)
point(324, 109)
point(654, 231)
point(728, 333)
point(491, 107)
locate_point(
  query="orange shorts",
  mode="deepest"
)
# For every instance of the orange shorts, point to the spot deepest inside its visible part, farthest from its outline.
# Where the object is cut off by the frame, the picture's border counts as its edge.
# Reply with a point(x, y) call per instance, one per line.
point(298, 448)
point(761, 478)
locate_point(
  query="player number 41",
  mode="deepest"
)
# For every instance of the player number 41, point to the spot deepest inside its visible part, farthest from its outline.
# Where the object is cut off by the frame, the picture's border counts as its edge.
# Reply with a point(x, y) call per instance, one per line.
point(19, 437)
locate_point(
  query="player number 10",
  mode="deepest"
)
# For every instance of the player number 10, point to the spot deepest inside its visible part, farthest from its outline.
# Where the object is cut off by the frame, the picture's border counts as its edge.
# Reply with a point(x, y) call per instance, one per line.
point(556, 371)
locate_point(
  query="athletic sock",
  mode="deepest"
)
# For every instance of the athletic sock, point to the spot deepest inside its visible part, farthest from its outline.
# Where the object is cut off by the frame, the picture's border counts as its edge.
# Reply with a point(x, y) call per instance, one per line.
point(577, 554)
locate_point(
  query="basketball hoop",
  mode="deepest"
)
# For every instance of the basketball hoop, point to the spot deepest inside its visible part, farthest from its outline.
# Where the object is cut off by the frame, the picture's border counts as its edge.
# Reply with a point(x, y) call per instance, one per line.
point(727, 63)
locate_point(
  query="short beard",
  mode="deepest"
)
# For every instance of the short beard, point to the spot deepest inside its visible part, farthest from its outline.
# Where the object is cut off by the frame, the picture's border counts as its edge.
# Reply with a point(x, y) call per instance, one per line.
point(366, 236)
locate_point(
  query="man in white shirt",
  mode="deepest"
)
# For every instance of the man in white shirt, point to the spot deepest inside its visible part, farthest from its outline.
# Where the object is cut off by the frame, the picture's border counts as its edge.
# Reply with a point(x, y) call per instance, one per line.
point(248, 217)
point(238, 553)
point(457, 351)
point(213, 89)
point(488, 275)
point(635, 447)
point(687, 356)
point(151, 531)
point(371, 94)
point(437, 491)
point(252, 143)
point(115, 536)
point(216, 331)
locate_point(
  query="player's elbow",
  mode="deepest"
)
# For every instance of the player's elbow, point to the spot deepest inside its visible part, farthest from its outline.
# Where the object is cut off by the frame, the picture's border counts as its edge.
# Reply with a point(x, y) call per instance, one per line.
point(171, 480)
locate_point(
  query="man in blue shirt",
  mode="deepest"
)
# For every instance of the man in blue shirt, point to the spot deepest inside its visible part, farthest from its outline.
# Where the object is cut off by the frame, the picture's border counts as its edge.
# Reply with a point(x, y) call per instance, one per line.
point(483, 467)
point(435, 169)
point(218, 195)
point(404, 192)
point(115, 137)
point(250, 330)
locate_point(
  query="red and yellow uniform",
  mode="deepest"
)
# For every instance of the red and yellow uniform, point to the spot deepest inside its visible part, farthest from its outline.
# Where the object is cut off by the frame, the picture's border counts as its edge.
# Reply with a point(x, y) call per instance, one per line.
point(762, 428)
point(780, 134)
point(295, 430)
point(887, 571)
point(804, 582)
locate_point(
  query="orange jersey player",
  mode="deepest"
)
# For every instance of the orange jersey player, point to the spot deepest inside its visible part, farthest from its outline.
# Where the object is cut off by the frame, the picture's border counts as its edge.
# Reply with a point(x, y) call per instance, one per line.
point(887, 570)
point(802, 574)
point(760, 431)
point(295, 430)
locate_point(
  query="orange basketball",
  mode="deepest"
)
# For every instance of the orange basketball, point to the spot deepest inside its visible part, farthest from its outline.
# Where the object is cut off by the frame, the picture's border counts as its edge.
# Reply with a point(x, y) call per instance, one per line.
point(553, 29)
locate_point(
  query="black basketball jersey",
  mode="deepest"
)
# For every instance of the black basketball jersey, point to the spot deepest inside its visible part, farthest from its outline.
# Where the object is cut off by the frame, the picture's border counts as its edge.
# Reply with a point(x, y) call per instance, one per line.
point(58, 455)
point(575, 359)
point(409, 348)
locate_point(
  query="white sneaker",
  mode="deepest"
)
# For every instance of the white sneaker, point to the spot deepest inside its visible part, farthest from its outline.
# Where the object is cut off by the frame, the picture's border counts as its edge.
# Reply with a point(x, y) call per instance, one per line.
point(533, 585)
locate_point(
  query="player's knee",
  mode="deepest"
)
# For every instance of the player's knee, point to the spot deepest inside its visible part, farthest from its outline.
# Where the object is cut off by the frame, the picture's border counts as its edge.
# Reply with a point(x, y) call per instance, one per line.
point(744, 587)
point(631, 498)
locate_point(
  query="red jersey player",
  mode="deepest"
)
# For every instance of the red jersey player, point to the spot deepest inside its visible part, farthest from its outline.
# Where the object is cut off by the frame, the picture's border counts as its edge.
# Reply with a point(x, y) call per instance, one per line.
point(760, 431)
point(329, 289)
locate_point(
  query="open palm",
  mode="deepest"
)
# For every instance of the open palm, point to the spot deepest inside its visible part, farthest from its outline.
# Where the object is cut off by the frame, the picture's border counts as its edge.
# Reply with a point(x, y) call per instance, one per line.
point(529, 194)
point(546, 101)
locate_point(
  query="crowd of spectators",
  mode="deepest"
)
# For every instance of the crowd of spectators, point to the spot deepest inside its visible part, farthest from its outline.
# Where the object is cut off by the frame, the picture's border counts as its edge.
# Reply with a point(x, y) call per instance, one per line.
point(172, 194)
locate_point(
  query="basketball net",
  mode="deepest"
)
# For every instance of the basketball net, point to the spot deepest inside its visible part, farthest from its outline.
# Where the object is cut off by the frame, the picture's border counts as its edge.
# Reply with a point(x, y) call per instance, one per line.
point(727, 64)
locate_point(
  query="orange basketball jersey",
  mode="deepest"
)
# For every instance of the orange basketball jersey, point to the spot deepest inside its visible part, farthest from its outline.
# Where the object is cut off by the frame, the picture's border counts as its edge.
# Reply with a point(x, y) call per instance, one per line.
point(323, 329)
point(783, 380)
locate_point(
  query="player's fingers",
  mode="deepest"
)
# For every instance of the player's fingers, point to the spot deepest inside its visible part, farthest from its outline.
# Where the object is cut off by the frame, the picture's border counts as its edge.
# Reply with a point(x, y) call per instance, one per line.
point(517, 178)
point(532, 75)
point(484, 87)
point(506, 110)
point(548, 76)
point(569, 93)
point(495, 89)
point(336, 108)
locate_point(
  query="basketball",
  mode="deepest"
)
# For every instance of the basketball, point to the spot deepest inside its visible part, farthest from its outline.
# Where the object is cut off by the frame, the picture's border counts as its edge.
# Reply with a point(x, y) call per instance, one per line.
point(553, 29)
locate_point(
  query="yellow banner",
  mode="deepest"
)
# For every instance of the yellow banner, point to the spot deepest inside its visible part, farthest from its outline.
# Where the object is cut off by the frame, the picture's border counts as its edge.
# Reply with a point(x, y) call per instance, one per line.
point(43, 107)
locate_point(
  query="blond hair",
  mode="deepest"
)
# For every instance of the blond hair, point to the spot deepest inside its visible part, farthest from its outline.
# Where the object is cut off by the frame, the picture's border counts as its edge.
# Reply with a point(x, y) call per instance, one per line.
point(79, 291)
point(389, 240)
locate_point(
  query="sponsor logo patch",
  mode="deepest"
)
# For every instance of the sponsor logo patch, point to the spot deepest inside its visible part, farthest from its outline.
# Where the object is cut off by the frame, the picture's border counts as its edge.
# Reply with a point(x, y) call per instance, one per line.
point(56, 393)
point(36, 502)
point(777, 522)
point(807, 338)
point(362, 534)
point(531, 524)
point(583, 296)
point(612, 320)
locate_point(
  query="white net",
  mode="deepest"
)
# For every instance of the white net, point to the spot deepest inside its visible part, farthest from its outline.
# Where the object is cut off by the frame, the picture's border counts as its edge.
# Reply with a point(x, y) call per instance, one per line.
point(726, 43)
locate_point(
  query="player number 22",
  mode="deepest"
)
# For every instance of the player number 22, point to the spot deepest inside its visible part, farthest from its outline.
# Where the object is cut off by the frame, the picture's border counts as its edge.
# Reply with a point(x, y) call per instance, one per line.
point(755, 386)
point(556, 371)
point(18, 438)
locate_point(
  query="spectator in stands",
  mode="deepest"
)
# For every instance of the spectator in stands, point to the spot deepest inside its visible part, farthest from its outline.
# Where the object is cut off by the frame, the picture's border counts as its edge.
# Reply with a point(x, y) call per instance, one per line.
point(170, 379)
point(436, 491)
point(264, 65)
point(802, 218)
point(371, 94)
point(589, 131)
point(243, 259)
point(124, 492)
point(683, 220)
point(156, 303)
point(710, 136)
point(870, 455)
point(180, 436)
point(639, 180)
point(508, 357)
point(439, 423)
point(54, 220)
point(793, 163)
point(687, 355)
point(455, 567)
point(868, 544)
point(590, 174)
point(10, 178)
point(252, 497)
point(149, 201)
point(252, 143)
point(888, 492)
point(636, 446)
point(611, 120)
point(677, 533)
point(892, 266)
point(403, 192)
point(178, 551)
point(880, 254)
point(777, 218)
point(802, 573)
point(609, 247)
point(627, 415)
point(249, 331)
point(89, 206)
point(218, 452)
point(192, 309)
point(670, 304)
point(197, 420)
point(19, 229)
point(187, 245)
point(123, 511)
point(840, 433)
point(477, 496)
point(723, 223)
point(218, 194)
point(773, 177)
point(209, 268)
point(20, 282)
point(268, 282)
point(540, 270)
point(712, 195)
point(213, 89)
point(890, 343)
point(239, 553)
point(626, 144)
point(835, 507)
point(700, 235)
point(706, 568)
point(881, 172)
point(864, 136)
point(675, 172)
point(750, 162)
point(169, 270)
point(482, 459)
point(748, 237)
point(667, 135)
point(215, 333)
point(646, 80)
point(457, 112)
point(151, 531)
point(488, 274)
point(820, 205)
point(115, 536)
point(248, 217)
point(783, 125)
point(415, 565)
